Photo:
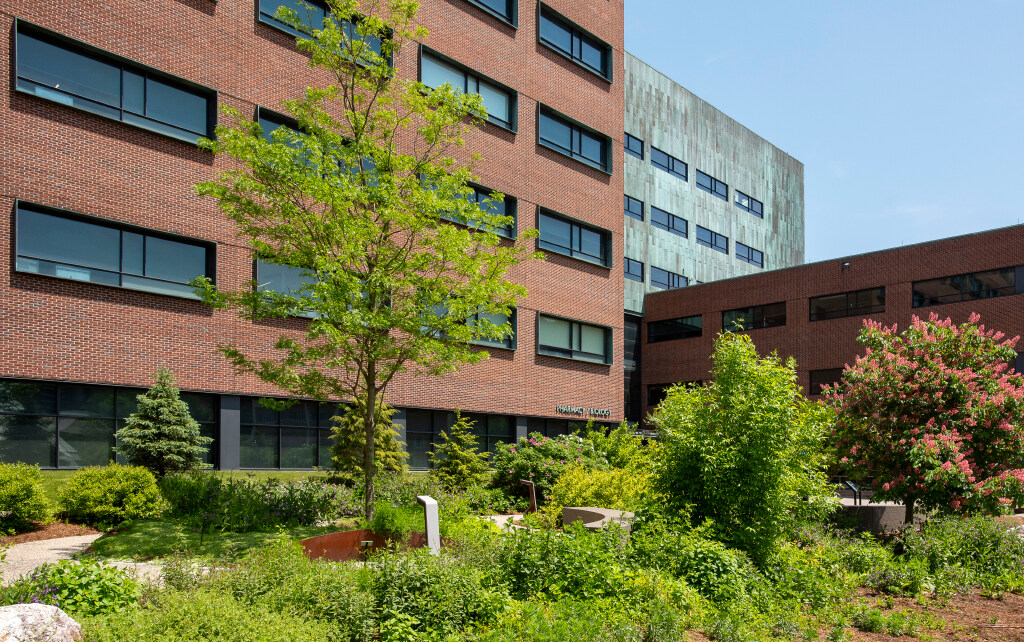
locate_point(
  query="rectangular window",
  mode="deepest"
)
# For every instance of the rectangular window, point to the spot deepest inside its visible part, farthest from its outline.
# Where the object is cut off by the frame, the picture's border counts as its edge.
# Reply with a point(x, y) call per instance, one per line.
point(667, 162)
point(297, 437)
point(271, 121)
point(504, 10)
point(509, 342)
point(507, 207)
point(634, 270)
point(86, 78)
point(714, 240)
point(848, 304)
point(756, 316)
point(822, 378)
point(634, 146)
point(634, 208)
point(749, 203)
point(670, 329)
point(656, 392)
point(499, 101)
point(573, 339)
point(491, 430)
point(573, 239)
point(671, 222)
point(667, 280)
point(711, 184)
point(749, 255)
point(576, 141)
point(67, 246)
point(312, 14)
point(574, 43)
point(969, 287)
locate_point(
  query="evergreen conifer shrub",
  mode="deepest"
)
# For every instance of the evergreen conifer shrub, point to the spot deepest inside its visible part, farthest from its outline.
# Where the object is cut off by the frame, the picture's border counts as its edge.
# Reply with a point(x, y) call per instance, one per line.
point(457, 463)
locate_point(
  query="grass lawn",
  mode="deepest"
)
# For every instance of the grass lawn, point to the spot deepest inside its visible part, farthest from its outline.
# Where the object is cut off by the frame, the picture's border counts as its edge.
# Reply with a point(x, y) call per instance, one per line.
point(159, 538)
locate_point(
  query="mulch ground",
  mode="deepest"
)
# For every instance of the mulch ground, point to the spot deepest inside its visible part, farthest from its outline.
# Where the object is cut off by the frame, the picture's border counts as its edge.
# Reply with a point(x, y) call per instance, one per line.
point(53, 530)
point(964, 618)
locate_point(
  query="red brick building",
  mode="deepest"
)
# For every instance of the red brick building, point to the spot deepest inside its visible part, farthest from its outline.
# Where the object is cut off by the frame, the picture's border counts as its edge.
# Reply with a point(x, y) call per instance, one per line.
point(813, 312)
point(101, 227)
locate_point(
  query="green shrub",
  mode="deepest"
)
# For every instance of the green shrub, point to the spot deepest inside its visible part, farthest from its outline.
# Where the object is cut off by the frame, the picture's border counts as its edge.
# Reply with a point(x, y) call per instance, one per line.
point(979, 544)
point(622, 447)
point(22, 501)
point(541, 460)
point(439, 594)
point(81, 588)
point(907, 578)
point(396, 522)
point(457, 463)
point(105, 496)
point(175, 616)
point(619, 488)
point(349, 439)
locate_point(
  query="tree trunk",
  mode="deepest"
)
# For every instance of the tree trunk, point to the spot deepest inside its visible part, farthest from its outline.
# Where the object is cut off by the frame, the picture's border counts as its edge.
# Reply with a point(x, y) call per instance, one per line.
point(908, 516)
point(370, 425)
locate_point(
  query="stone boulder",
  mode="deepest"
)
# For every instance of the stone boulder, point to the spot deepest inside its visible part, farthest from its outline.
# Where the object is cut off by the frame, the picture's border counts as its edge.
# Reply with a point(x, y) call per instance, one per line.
point(37, 622)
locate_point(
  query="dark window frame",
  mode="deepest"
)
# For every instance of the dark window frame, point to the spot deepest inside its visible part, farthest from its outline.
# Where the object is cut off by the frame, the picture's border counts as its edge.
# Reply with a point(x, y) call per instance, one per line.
point(508, 343)
point(511, 20)
point(209, 246)
point(715, 242)
point(606, 239)
point(671, 165)
point(920, 300)
point(738, 194)
point(674, 329)
point(627, 263)
point(577, 33)
point(748, 256)
point(269, 20)
point(102, 55)
point(672, 224)
point(848, 311)
point(577, 129)
point(513, 103)
point(571, 353)
point(629, 138)
point(756, 317)
point(625, 207)
point(674, 281)
point(712, 189)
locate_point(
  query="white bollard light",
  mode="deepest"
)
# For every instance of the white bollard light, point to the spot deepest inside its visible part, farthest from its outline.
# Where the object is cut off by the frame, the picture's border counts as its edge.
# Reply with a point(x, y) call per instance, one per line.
point(433, 527)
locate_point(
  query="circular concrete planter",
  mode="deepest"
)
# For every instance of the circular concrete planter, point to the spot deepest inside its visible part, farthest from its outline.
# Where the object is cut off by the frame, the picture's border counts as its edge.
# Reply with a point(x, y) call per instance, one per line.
point(353, 545)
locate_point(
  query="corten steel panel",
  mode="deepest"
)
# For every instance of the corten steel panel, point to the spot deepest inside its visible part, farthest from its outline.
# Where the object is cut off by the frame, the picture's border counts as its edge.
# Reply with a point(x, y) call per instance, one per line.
point(61, 157)
point(831, 343)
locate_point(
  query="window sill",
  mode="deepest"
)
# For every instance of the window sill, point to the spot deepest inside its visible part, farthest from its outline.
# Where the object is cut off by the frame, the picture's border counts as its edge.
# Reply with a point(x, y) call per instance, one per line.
point(108, 286)
point(579, 64)
point(571, 256)
point(541, 352)
point(561, 152)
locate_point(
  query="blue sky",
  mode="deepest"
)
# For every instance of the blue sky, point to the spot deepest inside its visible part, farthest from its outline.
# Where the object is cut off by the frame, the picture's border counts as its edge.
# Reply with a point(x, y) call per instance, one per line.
point(907, 116)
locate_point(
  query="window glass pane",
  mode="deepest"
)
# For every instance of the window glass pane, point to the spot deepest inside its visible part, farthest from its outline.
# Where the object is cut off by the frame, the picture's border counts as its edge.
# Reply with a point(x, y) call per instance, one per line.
point(553, 333)
point(591, 243)
point(85, 442)
point(592, 148)
point(555, 34)
point(324, 458)
point(983, 285)
point(86, 401)
point(497, 103)
point(310, 14)
point(436, 73)
point(203, 408)
point(827, 307)
point(936, 291)
point(592, 55)
point(132, 253)
point(258, 447)
point(659, 158)
point(555, 132)
point(592, 339)
point(22, 397)
point(54, 66)
point(68, 241)
point(417, 445)
point(555, 231)
point(133, 97)
point(31, 440)
point(298, 447)
point(175, 106)
point(284, 279)
point(173, 261)
point(302, 413)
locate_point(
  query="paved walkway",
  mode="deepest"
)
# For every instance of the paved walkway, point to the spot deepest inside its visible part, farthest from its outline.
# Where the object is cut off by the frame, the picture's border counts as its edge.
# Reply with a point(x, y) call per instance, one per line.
point(22, 559)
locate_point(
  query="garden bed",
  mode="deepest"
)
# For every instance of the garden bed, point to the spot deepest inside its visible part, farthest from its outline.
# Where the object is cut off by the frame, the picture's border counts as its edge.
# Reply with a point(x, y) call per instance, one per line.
point(53, 530)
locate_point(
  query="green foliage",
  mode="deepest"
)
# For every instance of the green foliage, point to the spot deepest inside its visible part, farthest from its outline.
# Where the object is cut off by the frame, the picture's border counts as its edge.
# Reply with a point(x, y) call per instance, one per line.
point(541, 460)
point(618, 488)
point(622, 447)
point(396, 522)
point(457, 463)
point(349, 441)
point(21, 498)
point(745, 451)
point(356, 200)
point(161, 434)
point(105, 496)
point(81, 588)
point(897, 624)
point(982, 547)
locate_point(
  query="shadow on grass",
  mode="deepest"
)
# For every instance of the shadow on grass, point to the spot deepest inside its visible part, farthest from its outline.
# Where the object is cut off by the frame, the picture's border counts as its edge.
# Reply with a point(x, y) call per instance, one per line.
point(146, 540)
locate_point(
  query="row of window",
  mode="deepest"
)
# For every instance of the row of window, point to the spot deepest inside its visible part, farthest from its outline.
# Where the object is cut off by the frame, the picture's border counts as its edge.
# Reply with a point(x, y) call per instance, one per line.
point(664, 279)
point(969, 287)
point(676, 167)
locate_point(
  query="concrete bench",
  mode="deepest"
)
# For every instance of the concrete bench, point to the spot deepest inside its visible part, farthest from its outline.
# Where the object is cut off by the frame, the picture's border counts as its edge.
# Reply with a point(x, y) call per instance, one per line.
point(594, 518)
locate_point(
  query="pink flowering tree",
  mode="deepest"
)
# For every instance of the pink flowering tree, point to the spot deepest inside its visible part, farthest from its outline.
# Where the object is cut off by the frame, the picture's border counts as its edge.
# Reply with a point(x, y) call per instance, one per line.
point(935, 415)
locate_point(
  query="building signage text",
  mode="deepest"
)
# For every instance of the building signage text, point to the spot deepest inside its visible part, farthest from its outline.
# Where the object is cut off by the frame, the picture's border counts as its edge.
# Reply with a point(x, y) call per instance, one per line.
point(580, 411)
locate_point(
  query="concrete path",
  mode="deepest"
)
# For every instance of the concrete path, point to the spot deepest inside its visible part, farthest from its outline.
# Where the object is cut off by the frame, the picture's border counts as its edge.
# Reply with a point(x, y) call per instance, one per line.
point(22, 559)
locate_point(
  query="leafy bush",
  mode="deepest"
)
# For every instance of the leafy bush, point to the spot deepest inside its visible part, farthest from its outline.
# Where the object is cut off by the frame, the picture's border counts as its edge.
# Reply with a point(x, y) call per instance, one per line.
point(349, 440)
point(434, 595)
point(81, 588)
point(622, 448)
point(175, 616)
point(618, 488)
point(396, 522)
point(21, 498)
point(457, 463)
point(541, 460)
point(105, 496)
point(978, 544)
point(901, 578)
point(242, 505)
point(745, 451)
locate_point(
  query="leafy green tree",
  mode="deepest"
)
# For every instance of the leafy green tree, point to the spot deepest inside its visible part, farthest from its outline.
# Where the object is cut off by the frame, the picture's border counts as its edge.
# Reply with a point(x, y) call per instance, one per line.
point(935, 414)
point(161, 434)
point(349, 442)
point(356, 201)
point(457, 463)
point(745, 451)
